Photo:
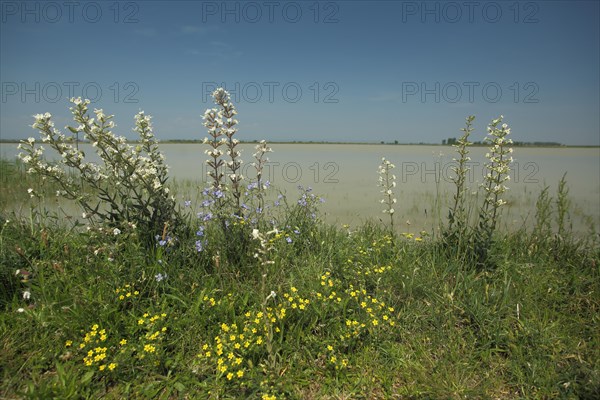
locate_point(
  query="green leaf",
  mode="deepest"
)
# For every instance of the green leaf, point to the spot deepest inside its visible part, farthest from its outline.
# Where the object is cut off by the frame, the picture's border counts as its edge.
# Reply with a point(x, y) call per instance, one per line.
point(73, 130)
point(87, 377)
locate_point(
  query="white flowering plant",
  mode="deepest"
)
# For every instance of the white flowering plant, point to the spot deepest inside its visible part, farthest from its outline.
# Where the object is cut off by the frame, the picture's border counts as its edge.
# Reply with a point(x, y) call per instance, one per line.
point(387, 182)
point(128, 186)
point(498, 172)
point(456, 232)
point(229, 203)
point(221, 127)
point(235, 205)
point(459, 236)
point(262, 149)
point(498, 168)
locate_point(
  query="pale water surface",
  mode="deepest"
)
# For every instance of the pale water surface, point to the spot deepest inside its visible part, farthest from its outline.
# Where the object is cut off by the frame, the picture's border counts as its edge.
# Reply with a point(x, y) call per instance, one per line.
point(345, 175)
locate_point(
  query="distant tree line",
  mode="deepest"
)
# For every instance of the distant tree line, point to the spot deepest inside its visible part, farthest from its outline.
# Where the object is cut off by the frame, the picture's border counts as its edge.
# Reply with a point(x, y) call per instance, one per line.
point(452, 140)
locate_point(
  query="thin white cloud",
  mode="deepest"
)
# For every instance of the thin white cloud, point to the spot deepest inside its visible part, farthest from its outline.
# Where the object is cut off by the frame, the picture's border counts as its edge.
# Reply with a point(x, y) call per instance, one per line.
point(196, 30)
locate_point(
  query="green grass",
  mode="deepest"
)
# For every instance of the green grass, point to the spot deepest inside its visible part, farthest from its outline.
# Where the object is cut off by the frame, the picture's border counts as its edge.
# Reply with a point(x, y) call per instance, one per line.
point(433, 326)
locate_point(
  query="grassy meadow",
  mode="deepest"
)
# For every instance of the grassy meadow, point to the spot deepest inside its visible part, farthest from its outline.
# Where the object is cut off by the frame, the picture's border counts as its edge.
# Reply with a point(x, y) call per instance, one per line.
point(335, 314)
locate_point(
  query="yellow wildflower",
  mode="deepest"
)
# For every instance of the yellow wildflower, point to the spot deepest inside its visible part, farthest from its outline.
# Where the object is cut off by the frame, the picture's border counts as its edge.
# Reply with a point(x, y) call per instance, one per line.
point(149, 348)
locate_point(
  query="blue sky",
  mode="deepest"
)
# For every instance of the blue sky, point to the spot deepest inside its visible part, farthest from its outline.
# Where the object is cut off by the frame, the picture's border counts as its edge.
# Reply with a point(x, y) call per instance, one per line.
point(303, 70)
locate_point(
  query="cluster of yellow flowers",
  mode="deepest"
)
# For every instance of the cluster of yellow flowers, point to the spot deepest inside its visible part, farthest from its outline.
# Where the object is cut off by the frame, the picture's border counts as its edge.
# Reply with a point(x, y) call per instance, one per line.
point(211, 301)
point(294, 300)
point(334, 360)
point(93, 336)
point(95, 356)
point(154, 333)
point(361, 263)
point(149, 320)
point(370, 270)
point(229, 349)
point(235, 344)
point(126, 292)
point(98, 346)
point(377, 312)
point(369, 313)
point(411, 236)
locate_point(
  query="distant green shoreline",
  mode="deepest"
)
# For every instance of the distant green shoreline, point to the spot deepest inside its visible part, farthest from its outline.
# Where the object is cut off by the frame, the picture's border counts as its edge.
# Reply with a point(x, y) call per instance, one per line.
point(184, 141)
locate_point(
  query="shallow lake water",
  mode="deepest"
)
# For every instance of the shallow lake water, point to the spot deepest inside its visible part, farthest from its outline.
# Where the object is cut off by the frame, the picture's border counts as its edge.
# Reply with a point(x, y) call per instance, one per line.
point(345, 175)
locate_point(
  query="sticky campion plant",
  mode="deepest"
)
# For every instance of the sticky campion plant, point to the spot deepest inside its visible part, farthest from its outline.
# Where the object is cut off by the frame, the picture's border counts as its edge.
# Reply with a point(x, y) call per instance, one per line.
point(128, 186)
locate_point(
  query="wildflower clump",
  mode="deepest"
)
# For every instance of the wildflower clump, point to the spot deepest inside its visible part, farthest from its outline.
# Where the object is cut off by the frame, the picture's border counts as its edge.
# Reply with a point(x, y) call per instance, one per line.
point(127, 292)
point(98, 353)
point(232, 209)
point(459, 236)
point(149, 335)
point(303, 215)
point(128, 186)
point(228, 203)
point(136, 341)
point(248, 347)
